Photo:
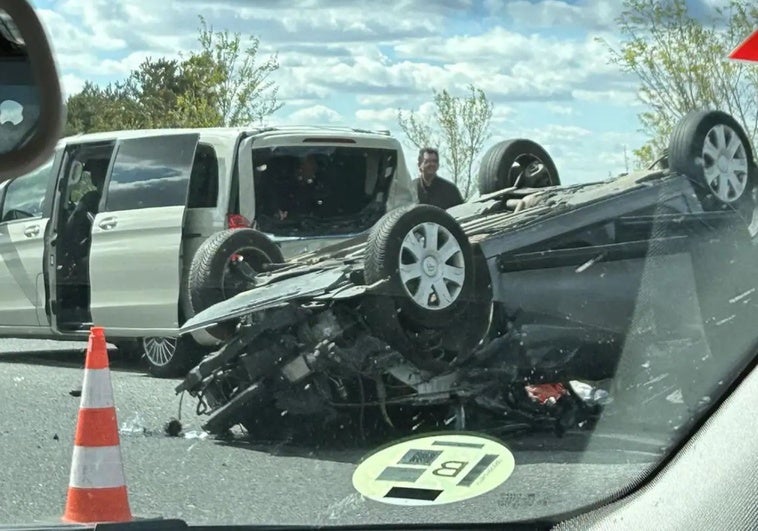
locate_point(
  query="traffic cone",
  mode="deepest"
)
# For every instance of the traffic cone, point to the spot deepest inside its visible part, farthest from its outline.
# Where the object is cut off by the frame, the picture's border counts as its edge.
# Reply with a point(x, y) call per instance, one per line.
point(97, 488)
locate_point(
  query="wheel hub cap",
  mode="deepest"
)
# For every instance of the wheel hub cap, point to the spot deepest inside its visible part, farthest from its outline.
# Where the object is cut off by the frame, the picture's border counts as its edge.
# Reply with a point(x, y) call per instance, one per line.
point(430, 266)
point(725, 163)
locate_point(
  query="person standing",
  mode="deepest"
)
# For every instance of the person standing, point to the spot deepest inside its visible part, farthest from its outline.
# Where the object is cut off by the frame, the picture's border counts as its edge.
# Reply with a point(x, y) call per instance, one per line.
point(433, 189)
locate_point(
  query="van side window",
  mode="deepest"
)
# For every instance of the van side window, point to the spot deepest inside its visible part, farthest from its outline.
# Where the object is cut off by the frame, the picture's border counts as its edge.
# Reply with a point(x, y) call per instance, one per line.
point(150, 173)
point(25, 195)
point(203, 187)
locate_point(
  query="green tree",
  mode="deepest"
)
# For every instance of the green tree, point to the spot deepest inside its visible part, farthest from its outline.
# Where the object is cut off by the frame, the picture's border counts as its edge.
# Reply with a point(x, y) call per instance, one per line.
point(245, 92)
point(682, 65)
point(459, 128)
point(197, 103)
point(101, 109)
point(219, 85)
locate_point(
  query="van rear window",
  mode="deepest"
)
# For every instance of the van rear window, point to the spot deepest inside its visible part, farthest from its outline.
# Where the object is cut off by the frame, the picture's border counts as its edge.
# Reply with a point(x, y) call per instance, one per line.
point(321, 190)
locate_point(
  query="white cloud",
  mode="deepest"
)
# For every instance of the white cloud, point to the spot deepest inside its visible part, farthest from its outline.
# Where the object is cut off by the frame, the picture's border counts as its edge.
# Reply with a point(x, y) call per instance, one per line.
point(590, 14)
point(618, 97)
point(374, 60)
point(89, 65)
point(315, 115)
point(565, 131)
point(392, 100)
point(561, 109)
point(502, 113)
point(60, 31)
point(71, 84)
point(378, 116)
point(87, 29)
point(512, 66)
point(276, 22)
point(335, 47)
point(295, 103)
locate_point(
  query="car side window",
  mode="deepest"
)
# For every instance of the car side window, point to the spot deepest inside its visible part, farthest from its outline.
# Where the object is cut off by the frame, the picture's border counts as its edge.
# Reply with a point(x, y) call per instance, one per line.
point(25, 195)
point(151, 172)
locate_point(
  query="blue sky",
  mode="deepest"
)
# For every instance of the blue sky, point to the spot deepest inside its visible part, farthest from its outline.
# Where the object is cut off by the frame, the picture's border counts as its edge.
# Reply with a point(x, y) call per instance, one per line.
point(356, 63)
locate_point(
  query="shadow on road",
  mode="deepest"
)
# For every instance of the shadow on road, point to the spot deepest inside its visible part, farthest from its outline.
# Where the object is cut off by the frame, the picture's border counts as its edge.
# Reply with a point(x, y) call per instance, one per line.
point(320, 452)
point(71, 358)
point(575, 447)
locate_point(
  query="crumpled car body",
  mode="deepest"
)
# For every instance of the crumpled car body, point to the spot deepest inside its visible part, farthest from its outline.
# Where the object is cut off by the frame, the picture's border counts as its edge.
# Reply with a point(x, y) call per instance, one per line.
point(564, 273)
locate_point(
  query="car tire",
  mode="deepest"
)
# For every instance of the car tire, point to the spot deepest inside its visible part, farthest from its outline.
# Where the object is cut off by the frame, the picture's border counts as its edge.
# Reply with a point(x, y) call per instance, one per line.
point(498, 169)
point(700, 148)
point(445, 280)
point(129, 348)
point(207, 280)
point(170, 357)
point(391, 312)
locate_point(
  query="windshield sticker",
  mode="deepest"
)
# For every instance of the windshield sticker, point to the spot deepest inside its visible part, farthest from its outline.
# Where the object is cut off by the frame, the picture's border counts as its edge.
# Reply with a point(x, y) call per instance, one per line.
point(434, 469)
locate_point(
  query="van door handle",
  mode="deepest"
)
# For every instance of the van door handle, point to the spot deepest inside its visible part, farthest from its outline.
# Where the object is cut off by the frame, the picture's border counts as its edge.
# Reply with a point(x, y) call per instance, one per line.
point(107, 223)
point(31, 231)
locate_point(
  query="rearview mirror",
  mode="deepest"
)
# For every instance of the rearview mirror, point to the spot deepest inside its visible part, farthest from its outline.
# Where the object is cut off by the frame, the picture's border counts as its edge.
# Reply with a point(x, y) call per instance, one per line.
point(31, 104)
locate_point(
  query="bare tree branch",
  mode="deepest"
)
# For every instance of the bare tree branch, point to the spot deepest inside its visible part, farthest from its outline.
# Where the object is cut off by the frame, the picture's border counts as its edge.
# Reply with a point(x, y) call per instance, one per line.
point(459, 128)
point(682, 65)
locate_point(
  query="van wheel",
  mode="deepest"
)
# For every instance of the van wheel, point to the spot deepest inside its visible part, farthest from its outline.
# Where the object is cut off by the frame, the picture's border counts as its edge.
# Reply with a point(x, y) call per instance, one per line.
point(224, 266)
point(169, 357)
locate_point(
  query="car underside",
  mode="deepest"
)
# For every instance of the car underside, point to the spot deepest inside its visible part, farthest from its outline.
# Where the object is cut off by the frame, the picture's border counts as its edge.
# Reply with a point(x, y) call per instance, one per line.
point(508, 311)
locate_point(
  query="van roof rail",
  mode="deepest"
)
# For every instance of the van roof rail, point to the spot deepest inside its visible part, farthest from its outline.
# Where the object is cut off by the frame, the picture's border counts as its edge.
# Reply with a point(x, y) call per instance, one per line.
point(324, 127)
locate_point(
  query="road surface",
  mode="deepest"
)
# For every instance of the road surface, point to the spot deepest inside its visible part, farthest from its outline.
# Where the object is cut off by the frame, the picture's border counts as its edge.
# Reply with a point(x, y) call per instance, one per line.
point(204, 481)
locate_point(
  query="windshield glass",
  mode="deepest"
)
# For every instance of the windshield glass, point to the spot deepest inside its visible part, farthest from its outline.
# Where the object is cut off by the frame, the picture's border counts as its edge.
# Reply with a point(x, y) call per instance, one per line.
point(323, 262)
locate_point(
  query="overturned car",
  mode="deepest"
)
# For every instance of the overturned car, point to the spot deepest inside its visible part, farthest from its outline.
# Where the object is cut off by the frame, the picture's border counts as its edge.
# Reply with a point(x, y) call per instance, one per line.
point(448, 317)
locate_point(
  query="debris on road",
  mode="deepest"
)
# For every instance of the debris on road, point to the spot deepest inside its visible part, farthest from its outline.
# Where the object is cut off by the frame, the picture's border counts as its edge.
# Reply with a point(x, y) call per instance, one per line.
point(173, 428)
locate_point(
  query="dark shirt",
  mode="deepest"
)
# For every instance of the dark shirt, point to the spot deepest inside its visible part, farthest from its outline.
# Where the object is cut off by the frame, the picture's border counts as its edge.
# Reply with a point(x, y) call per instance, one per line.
point(440, 193)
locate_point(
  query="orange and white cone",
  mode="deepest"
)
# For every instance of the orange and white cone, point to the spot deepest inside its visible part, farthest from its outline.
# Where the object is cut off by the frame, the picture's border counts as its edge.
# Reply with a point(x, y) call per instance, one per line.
point(97, 488)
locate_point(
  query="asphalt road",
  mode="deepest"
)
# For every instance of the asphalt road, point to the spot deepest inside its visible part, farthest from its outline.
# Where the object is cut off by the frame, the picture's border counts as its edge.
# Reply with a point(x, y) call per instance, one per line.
point(204, 481)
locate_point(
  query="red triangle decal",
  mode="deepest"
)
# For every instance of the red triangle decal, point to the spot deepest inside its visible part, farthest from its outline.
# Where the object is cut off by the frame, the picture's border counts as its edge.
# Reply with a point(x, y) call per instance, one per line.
point(747, 50)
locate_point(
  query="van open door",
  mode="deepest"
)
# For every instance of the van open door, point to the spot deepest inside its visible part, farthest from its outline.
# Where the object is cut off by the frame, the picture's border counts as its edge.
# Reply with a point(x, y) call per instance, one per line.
point(135, 265)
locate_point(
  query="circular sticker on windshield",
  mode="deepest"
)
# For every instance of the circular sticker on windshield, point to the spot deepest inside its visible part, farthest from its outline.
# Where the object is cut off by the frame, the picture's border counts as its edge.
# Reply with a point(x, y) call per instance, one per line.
point(434, 469)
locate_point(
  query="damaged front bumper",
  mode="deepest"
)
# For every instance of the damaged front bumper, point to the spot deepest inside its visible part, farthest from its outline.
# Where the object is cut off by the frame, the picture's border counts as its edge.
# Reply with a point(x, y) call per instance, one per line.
point(323, 362)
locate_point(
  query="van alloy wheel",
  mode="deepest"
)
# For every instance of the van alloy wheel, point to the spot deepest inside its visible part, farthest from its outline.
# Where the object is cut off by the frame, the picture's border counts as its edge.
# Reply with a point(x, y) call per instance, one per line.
point(159, 351)
point(168, 357)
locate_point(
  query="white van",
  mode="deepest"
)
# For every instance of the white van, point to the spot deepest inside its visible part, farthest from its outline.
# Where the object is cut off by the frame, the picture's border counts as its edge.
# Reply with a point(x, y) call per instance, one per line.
point(105, 233)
